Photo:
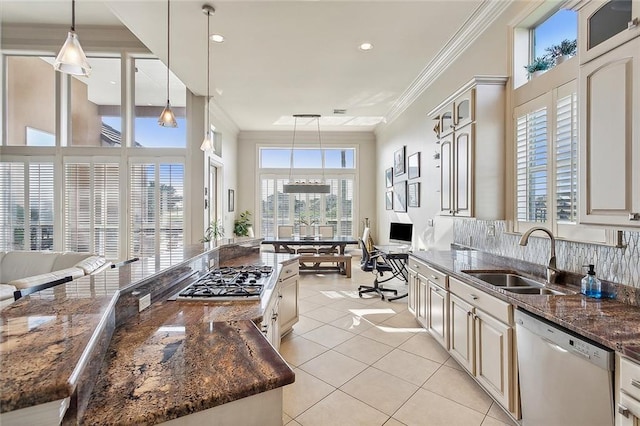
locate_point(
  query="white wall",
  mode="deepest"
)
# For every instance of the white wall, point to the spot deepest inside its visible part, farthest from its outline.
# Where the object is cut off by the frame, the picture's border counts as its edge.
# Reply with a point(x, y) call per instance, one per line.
point(246, 197)
point(486, 56)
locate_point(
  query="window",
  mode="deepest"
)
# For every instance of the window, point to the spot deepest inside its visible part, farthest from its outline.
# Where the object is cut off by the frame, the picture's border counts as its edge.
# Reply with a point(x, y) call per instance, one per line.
point(37, 137)
point(567, 157)
point(91, 208)
point(150, 102)
point(307, 158)
point(156, 212)
point(562, 25)
point(27, 210)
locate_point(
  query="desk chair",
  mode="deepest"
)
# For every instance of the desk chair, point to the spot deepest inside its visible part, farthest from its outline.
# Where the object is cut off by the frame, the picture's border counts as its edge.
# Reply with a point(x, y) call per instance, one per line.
point(376, 263)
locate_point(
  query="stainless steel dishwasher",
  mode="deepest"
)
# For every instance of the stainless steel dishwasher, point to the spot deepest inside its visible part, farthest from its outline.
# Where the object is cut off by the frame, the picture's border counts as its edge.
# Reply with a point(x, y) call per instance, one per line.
point(565, 379)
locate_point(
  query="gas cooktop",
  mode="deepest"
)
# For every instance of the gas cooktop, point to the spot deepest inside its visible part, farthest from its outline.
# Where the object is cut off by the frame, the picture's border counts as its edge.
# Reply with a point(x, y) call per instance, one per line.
point(229, 283)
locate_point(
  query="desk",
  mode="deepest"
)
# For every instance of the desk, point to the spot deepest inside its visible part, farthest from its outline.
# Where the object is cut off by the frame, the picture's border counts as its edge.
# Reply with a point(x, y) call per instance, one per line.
point(282, 245)
point(396, 256)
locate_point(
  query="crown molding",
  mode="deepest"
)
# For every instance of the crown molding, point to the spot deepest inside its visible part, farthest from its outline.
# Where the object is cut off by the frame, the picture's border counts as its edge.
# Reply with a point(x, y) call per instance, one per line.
point(471, 29)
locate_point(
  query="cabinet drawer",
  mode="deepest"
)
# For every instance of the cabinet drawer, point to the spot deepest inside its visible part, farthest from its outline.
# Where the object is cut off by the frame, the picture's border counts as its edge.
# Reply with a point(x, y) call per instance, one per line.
point(630, 377)
point(437, 277)
point(417, 266)
point(289, 270)
point(497, 308)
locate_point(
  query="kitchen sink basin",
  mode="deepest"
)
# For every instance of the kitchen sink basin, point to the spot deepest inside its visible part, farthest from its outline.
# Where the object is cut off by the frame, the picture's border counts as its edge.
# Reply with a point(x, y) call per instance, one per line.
point(504, 279)
point(513, 283)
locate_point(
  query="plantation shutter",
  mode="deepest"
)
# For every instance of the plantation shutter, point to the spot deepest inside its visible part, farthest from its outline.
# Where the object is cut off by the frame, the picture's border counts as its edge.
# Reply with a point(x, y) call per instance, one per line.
point(12, 206)
point(531, 166)
point(567, 158)
point(41, 209)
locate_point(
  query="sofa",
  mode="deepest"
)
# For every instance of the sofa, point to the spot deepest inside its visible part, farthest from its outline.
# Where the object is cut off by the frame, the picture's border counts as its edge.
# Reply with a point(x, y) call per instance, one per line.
point(24, 269)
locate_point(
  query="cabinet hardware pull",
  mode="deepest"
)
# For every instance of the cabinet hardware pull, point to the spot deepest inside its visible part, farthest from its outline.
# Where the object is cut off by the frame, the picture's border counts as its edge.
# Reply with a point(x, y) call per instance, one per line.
point(416, 266)
point(274, 317)
point(635, 383)
point(623, 410)
point(434, 277)
point(632, 24)
point(634, 216)
point(473, 296)
point(288, 271)
point(436, 289)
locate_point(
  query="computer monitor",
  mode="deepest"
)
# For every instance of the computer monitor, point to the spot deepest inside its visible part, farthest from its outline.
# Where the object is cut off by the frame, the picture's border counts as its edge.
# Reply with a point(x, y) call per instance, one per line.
point(401, 233)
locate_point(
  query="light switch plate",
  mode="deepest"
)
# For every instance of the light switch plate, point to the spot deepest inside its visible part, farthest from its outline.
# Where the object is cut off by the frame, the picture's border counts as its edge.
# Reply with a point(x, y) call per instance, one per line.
point(144, 302)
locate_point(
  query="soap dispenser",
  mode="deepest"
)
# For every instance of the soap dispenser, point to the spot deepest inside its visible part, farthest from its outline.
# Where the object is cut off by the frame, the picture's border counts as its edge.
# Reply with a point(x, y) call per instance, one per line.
point(591, 286)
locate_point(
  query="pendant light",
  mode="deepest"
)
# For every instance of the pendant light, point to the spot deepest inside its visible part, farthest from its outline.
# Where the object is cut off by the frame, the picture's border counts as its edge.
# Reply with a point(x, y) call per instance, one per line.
point(71, 58)
point(207, 143)
point(305, 187)
point(167, 118)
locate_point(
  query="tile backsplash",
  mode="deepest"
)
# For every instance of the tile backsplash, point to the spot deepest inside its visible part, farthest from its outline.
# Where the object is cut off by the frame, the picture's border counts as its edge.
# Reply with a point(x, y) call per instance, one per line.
point(619, 265)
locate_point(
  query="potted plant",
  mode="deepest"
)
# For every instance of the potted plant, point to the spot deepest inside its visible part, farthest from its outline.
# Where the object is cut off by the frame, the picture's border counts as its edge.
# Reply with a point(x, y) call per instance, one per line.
point(215, 231)
point(561, 52)
point(538, 66)
point(242, 226)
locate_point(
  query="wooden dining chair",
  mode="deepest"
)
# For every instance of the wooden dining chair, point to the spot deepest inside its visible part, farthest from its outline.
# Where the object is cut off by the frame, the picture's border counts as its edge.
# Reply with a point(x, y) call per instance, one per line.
point(285, 231)
point(326, 232)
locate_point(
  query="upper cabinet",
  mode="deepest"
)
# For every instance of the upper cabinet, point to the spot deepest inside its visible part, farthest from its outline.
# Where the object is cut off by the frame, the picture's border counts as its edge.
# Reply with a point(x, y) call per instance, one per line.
point(470, 131)
point(610, 137)
point(604, 25)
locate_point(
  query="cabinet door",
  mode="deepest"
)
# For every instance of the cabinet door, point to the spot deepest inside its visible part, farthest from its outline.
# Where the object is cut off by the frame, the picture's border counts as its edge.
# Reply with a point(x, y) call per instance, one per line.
point(604, 25)
point(437, 313)
point(464, 109)
point(494, 357)
point(413, 291)
point(446, 175)
point(610, 137)
point(447, 121)
point(421, 302)
point(463, 171)
point(288, 312)
point(461, 332)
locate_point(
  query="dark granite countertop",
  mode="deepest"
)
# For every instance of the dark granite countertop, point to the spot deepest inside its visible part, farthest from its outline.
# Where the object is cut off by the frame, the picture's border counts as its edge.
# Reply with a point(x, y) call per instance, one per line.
point(48, 339)
point(182, 357)
point(610, 322)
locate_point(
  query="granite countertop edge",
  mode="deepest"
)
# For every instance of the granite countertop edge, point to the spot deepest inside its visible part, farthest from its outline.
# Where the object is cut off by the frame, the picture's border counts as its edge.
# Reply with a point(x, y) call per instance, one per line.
point(608, 322)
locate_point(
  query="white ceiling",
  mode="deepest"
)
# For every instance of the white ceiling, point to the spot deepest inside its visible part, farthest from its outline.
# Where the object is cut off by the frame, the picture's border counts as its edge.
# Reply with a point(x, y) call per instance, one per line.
point(280, 58)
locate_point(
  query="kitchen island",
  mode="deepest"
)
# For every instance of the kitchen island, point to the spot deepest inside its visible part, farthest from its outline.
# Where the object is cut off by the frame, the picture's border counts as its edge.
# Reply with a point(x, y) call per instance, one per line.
point(183, 357)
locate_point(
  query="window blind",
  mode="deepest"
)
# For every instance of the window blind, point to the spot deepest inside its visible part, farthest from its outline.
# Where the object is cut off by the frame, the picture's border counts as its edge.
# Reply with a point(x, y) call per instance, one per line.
point(91, 208)
point(41, 210)
point(12, 206)
point(531, 166)
point(567, 158)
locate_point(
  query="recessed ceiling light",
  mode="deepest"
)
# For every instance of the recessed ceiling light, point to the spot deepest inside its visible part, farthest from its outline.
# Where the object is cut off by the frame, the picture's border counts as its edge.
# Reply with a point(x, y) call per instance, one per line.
point(218, 38)
point(365, 46)
point(112, 82)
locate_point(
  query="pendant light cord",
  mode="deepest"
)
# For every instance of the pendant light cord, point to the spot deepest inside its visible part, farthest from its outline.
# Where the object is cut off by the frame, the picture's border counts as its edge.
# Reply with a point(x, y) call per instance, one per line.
point(293, 142)
point(322, 156)
point(168, 44)
point(73, 15)
point(208, 62)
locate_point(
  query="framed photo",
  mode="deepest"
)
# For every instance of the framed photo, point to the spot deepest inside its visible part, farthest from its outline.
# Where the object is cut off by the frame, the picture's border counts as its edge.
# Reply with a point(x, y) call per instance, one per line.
point(400, 196)
point(389, 200)
point(399, 160)
point(414, 166)
point(232, 200)
point(388, 176)
point(414, 195)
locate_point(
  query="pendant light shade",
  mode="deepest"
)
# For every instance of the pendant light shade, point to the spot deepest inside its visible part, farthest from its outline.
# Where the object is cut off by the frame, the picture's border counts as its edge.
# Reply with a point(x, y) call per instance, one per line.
point(305, 187)
point(71, 58)
point(207, 143)
point(167, 118)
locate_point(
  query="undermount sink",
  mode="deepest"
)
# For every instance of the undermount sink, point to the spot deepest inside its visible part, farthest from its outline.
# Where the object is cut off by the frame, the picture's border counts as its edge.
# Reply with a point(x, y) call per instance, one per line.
point(514, 283)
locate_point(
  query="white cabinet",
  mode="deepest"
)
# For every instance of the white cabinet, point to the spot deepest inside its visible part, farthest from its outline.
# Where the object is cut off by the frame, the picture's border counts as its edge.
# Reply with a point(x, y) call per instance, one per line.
point(418, 287)
point(422, 303)
point(437, 315)
point(610, 138)
point(604, 25)
point(270, 324)
point(289, 283)
point(470, 130)
point(481, 340)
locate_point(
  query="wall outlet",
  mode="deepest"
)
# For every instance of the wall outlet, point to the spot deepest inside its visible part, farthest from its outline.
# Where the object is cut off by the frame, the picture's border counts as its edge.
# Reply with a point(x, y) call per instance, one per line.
point(491, 230)
point(144, 302)
point(430, 222)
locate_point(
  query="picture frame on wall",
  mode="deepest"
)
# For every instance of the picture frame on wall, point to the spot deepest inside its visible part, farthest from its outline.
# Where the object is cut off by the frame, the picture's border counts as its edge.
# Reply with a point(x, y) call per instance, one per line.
point(413, 198)
point(388, 176)
point(399, 161)
point(389, 200)
point(232, 200)
point(414, 166)
point(400, 196)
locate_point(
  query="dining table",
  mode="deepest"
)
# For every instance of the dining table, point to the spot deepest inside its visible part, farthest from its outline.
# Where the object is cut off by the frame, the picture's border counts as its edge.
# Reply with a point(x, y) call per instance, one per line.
point(289, 244)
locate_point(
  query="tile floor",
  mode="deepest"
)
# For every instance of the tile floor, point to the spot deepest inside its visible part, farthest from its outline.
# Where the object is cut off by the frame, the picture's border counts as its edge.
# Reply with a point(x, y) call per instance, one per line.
point(363, 361)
